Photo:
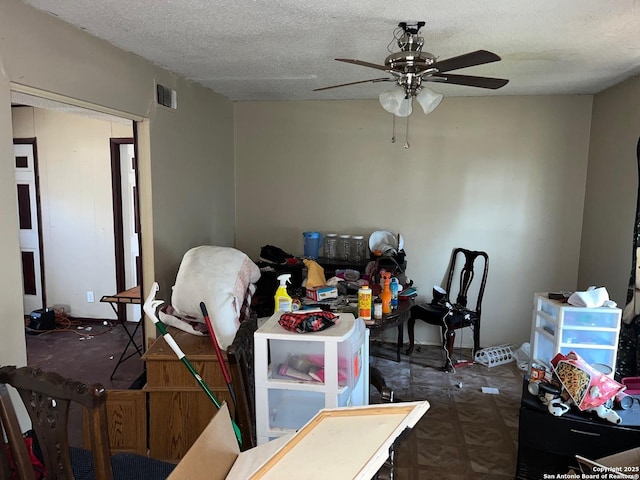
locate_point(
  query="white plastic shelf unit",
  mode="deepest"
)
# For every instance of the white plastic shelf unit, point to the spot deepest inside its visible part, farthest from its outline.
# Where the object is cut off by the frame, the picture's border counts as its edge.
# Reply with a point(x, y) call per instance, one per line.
point(284, 404)
point(560, 328)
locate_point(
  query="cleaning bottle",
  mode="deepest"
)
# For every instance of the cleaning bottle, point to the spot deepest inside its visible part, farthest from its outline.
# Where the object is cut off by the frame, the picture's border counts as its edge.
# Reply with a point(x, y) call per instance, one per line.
point(364, 302)
point(282, 299)
point(377, 308)
point(394, 286)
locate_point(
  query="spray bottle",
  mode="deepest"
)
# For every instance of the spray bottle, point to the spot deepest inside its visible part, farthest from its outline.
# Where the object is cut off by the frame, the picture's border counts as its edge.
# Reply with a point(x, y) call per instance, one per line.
point(282, 299)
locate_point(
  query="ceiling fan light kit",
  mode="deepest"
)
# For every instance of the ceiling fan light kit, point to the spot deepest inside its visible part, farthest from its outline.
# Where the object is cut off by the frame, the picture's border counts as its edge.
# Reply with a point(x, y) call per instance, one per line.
point(395, 101)
point(411, 67)
point(428, 99)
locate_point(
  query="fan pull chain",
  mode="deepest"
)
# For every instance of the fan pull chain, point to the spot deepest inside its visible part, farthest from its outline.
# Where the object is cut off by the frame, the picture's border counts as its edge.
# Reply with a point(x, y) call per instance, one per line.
point(406, 138)
point(393, 129)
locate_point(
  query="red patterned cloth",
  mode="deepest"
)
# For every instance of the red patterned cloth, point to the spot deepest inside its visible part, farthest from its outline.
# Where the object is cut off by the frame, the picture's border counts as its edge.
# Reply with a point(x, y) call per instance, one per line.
point(307, 322)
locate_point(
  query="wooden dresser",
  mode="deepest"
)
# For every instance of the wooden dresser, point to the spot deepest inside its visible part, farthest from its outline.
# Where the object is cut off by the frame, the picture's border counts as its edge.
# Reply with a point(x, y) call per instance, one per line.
point(178, 408)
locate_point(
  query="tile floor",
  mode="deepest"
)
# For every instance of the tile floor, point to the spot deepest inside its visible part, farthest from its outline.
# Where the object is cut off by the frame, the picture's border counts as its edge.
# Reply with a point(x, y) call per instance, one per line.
point(466, 434)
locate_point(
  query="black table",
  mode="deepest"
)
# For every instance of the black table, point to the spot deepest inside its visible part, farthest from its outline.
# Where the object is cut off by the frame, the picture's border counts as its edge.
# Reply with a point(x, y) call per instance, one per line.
point(396, 318)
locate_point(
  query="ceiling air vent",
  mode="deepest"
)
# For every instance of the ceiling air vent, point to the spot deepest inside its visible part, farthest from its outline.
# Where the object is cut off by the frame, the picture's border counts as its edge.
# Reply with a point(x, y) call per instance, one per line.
point(166, 96)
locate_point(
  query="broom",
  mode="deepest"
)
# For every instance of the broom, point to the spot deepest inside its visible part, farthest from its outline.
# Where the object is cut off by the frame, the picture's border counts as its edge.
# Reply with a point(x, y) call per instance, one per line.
point(150, 306)
point(214, 340)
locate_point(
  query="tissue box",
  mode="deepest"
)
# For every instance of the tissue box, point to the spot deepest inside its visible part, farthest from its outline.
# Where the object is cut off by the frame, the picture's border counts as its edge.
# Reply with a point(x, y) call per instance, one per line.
point(322, 293)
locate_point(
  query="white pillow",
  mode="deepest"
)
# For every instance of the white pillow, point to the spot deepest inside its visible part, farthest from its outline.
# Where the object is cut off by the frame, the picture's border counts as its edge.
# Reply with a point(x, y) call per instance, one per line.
point(219, 277)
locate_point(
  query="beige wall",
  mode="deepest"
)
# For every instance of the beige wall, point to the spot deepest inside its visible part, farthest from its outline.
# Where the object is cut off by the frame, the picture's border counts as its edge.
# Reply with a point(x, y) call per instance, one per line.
point(612, 190)
point(12, 349)
point(74, 159)
point(186, 156)
point(501, 174)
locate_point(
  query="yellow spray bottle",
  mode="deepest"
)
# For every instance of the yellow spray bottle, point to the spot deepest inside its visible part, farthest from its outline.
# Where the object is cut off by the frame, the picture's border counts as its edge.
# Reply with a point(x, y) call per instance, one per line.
point(282, 299)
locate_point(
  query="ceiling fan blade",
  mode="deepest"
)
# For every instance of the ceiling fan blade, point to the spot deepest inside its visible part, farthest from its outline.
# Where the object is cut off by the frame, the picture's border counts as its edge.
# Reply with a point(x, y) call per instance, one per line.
point(471, 81)
point(470, 59)
point(363, 64)
point(373, 80)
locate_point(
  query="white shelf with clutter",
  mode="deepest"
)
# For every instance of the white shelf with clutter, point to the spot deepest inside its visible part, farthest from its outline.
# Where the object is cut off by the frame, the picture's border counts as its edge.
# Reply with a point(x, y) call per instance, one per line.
point(561, 328)
point(287, 398)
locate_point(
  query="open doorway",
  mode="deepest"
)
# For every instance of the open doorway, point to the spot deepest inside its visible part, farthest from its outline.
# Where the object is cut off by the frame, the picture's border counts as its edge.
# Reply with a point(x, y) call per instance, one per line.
point(126, 221)
point(30, 223)
point(87, 210)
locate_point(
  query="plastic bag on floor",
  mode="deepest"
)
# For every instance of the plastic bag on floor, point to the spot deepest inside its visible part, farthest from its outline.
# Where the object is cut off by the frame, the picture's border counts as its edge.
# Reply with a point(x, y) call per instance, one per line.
point(523, 356)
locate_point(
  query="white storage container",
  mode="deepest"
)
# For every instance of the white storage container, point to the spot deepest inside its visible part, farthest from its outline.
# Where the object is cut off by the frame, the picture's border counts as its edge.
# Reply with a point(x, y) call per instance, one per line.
point(340, 356)
point(560, 328)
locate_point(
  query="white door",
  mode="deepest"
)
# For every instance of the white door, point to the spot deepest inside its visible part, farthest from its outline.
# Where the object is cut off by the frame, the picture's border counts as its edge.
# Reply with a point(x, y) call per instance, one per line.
point(25, 175)
point(129, 223)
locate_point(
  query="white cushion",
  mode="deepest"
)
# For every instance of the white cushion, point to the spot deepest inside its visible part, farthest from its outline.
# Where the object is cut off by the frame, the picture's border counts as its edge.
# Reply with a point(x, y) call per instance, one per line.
point(220, 277)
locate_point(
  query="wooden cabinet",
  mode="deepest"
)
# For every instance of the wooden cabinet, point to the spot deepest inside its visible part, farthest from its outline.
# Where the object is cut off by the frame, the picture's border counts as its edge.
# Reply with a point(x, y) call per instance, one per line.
point(126, 420)
point(178, 409)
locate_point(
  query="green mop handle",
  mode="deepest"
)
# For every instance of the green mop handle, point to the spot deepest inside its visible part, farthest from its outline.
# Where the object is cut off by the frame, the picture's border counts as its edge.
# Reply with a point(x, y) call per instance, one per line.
point(150, 306)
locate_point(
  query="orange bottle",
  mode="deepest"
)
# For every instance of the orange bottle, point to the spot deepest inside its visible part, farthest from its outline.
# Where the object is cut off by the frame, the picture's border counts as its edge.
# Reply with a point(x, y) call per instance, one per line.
point(385, 295)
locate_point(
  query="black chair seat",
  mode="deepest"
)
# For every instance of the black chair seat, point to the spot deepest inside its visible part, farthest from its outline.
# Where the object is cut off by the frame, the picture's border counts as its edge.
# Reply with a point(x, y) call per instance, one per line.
point(126, 466)
point(435, 315)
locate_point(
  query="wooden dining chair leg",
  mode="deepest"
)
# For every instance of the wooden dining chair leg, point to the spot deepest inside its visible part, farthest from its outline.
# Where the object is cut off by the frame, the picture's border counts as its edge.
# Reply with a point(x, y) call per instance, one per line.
point(11, 427)
point(4, 460)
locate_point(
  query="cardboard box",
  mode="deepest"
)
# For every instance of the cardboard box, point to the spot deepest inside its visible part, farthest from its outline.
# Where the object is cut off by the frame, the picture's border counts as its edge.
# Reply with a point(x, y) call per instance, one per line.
point(322, 293)
point(340, 443)
point(623, 465)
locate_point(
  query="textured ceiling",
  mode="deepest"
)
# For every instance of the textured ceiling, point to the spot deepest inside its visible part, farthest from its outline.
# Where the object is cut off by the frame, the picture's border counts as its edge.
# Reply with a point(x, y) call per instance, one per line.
point(283, 49)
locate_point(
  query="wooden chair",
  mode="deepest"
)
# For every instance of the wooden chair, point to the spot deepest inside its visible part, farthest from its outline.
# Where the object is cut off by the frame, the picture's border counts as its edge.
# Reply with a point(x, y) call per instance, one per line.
point(240, 357)
point(450, 316)
point(47, 397)
point(10, 427)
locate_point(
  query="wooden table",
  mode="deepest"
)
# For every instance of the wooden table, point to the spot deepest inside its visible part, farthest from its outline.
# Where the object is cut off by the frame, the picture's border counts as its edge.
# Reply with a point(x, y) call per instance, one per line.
point(131, 296)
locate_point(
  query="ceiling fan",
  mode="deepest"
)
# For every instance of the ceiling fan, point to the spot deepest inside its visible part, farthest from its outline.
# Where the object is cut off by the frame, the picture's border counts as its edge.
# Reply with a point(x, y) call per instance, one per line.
point(411, 66)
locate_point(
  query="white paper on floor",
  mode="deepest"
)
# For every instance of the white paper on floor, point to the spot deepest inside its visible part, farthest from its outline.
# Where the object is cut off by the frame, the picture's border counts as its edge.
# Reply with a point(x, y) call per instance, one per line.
point(490, 390)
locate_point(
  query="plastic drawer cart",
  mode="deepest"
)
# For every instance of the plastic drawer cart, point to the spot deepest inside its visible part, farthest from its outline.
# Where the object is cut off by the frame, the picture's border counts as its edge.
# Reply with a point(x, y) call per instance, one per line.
point(560, 328)
point(285, 404)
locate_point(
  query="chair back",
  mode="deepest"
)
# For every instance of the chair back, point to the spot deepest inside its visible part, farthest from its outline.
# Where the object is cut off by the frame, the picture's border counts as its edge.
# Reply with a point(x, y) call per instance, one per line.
point(463, 262)
point(47, 398)
point(240, 357)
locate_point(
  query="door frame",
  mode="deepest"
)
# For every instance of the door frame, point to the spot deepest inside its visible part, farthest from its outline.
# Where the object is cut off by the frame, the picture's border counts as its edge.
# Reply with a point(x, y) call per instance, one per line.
point(34, 144)
point(116, 182)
